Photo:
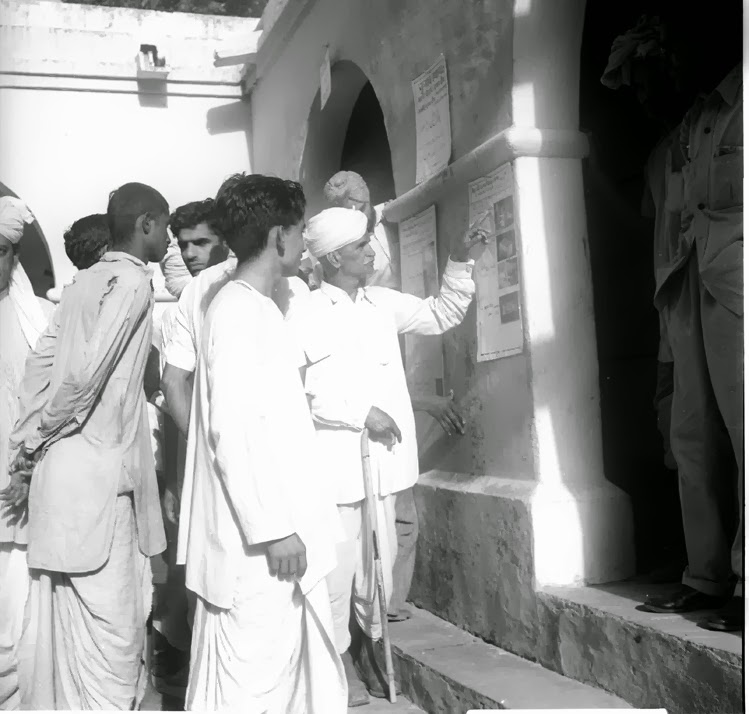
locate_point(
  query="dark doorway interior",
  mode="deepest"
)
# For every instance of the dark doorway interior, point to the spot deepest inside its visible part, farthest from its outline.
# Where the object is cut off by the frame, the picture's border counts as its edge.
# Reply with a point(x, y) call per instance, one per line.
point(366, 149)
point(621, 249)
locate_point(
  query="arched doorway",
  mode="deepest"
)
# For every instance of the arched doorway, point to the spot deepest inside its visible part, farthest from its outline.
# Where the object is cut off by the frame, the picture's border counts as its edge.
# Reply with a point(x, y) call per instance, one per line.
point(621, 254)
point(34, 254)
point(347, 134)
point(366, 148)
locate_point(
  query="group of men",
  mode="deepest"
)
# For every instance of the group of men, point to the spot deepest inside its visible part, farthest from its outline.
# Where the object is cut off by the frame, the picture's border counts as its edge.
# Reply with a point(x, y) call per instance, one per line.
point(240, 418)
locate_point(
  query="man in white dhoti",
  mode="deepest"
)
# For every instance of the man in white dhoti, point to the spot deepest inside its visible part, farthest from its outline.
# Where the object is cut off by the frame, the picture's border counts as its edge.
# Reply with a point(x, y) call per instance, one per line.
point(93, 506)
point(355, 379)
point(180, 339)
point(347, 189)
point(23, 317)
point(257, 527)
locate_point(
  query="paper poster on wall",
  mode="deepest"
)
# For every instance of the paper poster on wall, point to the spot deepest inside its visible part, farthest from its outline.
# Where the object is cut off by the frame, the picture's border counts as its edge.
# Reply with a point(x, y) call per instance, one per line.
point(432, 106)
point(497, 274)
point(325, 79)
point(419, 276)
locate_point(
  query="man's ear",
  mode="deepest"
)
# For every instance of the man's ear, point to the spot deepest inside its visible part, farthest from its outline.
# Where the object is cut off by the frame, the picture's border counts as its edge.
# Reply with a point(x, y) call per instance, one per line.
point(144, 223)
point(334, 259)
point(277, 235)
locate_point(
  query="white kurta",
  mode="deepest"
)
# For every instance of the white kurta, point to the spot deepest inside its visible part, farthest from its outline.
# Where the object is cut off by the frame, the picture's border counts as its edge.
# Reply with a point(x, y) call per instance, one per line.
point(354, 363)
point(94, 515)
point(249, 479)
point(182, 337)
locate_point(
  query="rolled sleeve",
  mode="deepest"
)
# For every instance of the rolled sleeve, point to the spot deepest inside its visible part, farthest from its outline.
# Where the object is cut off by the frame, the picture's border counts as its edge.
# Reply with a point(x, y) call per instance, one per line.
point(432, 315)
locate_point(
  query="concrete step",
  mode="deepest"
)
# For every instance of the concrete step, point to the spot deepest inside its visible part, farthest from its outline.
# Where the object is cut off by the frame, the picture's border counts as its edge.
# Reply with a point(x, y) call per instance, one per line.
point(155, 701)
point(595, 635)
point(445, 670)
point(382, 706)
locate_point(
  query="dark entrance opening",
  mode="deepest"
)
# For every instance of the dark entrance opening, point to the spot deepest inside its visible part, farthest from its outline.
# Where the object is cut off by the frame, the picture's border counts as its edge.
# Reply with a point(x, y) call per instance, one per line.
point(621, 250)
point(366, 149)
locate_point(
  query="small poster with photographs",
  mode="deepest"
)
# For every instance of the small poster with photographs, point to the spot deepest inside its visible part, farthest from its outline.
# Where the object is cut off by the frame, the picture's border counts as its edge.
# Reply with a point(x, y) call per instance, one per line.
point(497, 272)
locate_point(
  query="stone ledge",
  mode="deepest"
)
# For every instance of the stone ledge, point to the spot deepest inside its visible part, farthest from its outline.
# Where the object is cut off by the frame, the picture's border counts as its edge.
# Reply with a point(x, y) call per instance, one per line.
point(595, 635)
point(444, 670)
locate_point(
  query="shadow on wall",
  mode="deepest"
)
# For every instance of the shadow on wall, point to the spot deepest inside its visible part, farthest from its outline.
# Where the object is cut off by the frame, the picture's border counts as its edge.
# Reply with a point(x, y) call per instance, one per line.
point(34, 253)
point(230, 119)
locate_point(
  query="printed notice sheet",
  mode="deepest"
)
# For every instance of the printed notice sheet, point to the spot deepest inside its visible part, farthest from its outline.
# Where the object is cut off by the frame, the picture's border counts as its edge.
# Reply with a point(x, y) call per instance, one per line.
point(419, 276)
point(499, 316)
point(432, 104)
point(325, 79)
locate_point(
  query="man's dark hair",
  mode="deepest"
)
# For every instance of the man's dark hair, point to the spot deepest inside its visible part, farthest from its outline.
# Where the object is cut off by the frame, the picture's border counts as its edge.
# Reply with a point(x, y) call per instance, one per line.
point(232, 181)
point(250, 206)
point(87, 240)
point(127, 204)
point(193, 214)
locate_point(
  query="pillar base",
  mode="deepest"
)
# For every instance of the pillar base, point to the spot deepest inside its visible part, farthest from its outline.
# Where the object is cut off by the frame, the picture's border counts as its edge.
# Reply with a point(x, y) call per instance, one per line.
point(488, 544)
point(582, 534)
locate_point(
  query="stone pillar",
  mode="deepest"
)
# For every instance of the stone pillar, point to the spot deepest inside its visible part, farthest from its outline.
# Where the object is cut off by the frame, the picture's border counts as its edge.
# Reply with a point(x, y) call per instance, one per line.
point(582, 524)
point(528, 506)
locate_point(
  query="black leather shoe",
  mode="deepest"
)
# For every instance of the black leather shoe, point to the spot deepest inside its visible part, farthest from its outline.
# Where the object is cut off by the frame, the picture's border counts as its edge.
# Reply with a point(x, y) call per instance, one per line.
point(685, 599)
point(729, 618)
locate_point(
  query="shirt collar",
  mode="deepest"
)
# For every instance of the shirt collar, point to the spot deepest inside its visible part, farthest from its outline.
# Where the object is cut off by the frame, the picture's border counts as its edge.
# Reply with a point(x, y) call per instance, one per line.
point(112, 256)
point(729, 87)
point(336, 294)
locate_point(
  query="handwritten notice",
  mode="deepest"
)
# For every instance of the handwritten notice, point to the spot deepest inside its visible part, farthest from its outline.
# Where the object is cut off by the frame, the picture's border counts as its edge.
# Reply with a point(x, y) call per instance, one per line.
point(325, 79)
point(419, 276)
point(497, 274)
point(432, 105)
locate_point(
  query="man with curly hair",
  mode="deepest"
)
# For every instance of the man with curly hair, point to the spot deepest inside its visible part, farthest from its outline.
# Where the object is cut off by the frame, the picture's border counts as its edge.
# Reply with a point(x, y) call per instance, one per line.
point(258, 526)
point(87, 240)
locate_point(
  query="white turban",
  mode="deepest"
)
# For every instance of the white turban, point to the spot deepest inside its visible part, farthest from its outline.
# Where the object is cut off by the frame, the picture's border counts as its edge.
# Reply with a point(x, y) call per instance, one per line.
point(14, 215)
point(343, 185)
point(334, 228)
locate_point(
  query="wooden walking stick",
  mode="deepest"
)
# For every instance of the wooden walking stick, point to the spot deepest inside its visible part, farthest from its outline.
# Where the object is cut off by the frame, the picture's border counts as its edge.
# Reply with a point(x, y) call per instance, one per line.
point(372, 516)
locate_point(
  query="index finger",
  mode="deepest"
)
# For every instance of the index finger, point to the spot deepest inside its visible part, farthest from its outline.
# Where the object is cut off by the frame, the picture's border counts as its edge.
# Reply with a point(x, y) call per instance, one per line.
point(482, 217)
point(273, 565)
point(481, 235)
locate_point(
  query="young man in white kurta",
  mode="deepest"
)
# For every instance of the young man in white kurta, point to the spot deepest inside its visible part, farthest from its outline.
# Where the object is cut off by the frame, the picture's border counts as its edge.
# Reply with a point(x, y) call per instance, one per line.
point(94, 517)
point(354, 373)
point(258, 528)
